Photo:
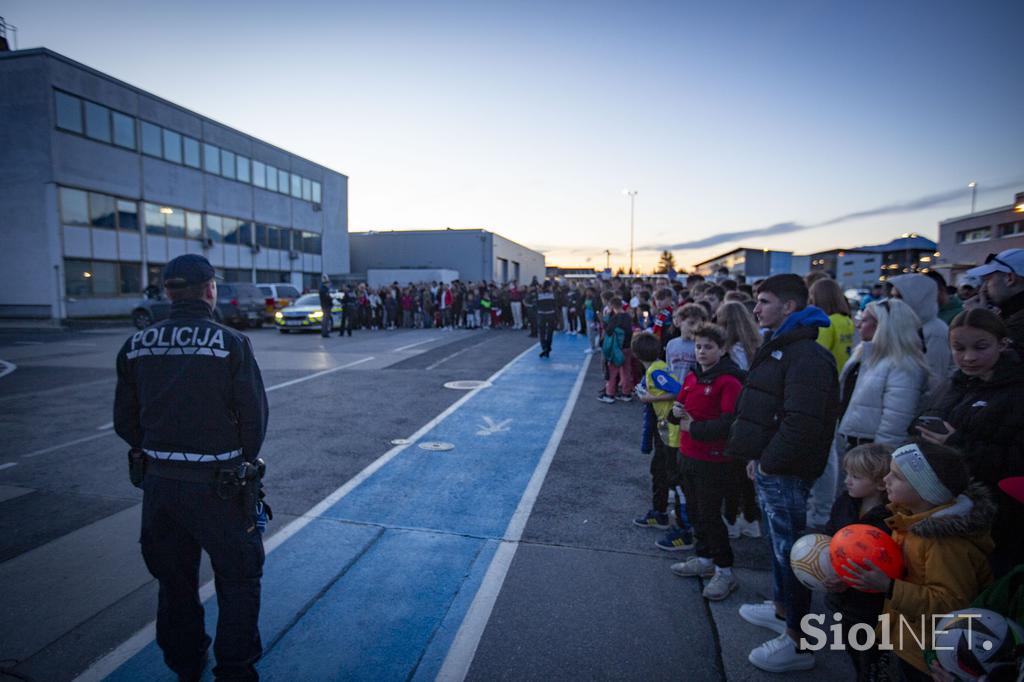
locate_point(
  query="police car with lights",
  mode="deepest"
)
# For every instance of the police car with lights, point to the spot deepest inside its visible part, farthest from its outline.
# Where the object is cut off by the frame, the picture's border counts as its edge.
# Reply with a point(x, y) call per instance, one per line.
point(305, 314)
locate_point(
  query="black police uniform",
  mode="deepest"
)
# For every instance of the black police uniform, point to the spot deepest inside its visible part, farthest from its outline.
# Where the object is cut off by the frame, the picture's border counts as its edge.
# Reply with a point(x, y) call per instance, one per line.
point(191, 397)
point(546, 319)
point(326, 304)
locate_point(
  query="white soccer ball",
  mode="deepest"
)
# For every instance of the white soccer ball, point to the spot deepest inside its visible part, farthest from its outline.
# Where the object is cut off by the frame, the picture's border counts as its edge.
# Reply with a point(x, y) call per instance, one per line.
point(970, 643)
point(811, 561)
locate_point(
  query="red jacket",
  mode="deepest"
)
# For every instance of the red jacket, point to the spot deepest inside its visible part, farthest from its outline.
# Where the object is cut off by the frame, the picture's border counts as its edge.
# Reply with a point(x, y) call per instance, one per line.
point(710, 399)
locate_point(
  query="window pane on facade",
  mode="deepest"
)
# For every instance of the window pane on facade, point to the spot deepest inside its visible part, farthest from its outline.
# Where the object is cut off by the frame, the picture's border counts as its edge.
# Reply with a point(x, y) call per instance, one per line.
point(193, 225)
point(230, 230)
point(192, 152)
point(97, 122)
point(296, 186)
point(211, 158)
point(227, 163)
point(282, 181)
point(101, 210)
point(307, 189)
point(261, 235)
point(271, 178)
point(155, 274)
point(154, 220)
point(214, 225)
point(127, 215)
point(259, 174)
point(131, 278)
point(174, 218)
point(124, 130)
point(104, 279)
point(316, 193)
point(245, 233)
point(74, 206)
point(150, 138)
point(242, 168)
point(77, 274)
point(172, 146)
point(69, 112)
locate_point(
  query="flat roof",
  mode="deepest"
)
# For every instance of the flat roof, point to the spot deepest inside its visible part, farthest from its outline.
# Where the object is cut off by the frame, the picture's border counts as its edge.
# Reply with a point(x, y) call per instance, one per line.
point(445, 230)
point(978, 214)
point(742, 248)
point(46, 52)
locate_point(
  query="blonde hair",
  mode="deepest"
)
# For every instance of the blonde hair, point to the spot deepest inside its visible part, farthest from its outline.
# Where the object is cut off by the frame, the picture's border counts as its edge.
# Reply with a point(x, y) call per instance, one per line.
point(870, 460)
point(898, 334)
point(740, 327)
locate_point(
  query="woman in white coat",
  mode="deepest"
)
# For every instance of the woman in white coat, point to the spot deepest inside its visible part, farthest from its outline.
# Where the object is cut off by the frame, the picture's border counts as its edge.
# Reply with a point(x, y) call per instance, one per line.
point(881, 391)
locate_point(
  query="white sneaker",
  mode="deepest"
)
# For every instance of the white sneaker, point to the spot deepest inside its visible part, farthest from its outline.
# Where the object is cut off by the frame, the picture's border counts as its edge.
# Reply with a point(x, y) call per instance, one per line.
point(763, 614)
point(696, 567)
point(733, 529)
point(750, 529)
point(780, 655)
point(721, 585)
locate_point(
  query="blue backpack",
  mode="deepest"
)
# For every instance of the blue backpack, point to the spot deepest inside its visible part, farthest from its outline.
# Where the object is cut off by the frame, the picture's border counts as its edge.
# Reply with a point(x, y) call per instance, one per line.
point(612, 346)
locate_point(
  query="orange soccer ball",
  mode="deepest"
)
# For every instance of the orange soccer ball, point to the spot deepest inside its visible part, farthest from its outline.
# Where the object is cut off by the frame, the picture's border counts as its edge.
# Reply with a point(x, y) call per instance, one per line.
point(859, 542)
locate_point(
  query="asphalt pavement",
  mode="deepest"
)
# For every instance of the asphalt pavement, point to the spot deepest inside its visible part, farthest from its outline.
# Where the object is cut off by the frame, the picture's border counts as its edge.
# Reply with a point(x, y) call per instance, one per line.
point(511, 558)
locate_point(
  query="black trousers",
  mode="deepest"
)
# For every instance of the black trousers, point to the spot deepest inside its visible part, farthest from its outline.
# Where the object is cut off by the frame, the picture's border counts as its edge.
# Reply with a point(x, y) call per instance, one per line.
point(547, 331)
point(179, 519)
point(741, 497)
point(531, 314)
point(664, 475)
point(705, 485)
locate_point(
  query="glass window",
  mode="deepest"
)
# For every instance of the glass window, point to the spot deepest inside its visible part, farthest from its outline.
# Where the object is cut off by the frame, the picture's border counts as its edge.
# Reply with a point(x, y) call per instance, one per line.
point(227, 164)
point(312, 242)
point(243, 168)
point(104, 279)
point(192, 152)
point(245, 233)
point(69, 112)
point(316, 193)
point(193, 225)
point(97, 122)
point(175, 221)
point(154, 219)
point(74, 206)
point(261, 235)
point(230, 230)
point(271, 178)
point(101, 210)
point(124, 130)
point(296, 186)
point(127, 215)
point(214, 225)
point(259, 174)
point(307, 189)
point(131, 278)
point(155, 275)
point(172, 146)
point(77, 274)
point(282, 181)
point(211, 158)
point(150, 139)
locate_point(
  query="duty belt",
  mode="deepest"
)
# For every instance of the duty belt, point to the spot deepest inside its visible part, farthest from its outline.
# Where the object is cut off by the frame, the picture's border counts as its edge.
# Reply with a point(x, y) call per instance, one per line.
point(191, 456)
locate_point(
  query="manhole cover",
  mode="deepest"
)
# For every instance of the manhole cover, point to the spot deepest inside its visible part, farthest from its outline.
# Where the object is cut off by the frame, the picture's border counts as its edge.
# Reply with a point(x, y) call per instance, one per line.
point(401, 441)
point(467, 385)
point(436, 446)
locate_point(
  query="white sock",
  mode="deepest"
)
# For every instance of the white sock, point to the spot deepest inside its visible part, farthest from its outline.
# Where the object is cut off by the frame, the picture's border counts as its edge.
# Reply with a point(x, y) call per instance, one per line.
point(726, 571)
point(706, 562)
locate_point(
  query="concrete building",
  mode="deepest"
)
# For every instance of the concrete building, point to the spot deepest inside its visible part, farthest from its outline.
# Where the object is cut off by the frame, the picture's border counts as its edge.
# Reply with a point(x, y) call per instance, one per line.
point(101, 183)
point(751, 263)
point(477, 255)
point(908, 253)
point(966, 241)
point(851, 268)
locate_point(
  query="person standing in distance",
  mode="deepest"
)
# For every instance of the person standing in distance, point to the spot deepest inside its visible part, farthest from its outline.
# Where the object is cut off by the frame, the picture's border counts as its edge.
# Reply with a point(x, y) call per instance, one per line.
point(191, 404)
point(547, 313)
point(325, 305)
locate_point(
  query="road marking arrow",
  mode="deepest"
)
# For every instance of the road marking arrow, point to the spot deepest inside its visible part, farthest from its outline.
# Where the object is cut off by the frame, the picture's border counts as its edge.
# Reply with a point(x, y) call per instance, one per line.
point(489, 427)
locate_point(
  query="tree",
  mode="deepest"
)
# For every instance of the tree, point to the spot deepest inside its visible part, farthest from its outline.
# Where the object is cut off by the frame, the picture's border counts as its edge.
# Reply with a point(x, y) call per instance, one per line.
point(665, 263)
point(620, 272)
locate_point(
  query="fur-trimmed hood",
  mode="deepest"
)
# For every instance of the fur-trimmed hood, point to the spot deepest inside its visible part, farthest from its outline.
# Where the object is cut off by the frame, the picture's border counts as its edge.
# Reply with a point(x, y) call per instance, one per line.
point(970, 515)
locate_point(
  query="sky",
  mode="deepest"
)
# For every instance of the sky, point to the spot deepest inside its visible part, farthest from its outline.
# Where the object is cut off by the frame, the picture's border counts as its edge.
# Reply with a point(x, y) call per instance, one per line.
point(803, 126)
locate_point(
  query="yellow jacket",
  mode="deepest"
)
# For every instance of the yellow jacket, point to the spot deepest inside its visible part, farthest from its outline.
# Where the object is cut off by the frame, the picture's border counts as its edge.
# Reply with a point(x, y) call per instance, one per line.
point(945, 554)
point(662, 407)
point(837, 338)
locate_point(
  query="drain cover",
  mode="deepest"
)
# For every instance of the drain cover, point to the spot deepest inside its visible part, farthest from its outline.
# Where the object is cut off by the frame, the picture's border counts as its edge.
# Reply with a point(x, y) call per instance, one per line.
point(436, 446)
point(401, 441)
point(467, 385)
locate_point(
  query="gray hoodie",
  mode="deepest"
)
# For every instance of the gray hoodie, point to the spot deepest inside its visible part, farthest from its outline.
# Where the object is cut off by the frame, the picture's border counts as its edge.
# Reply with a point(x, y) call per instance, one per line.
point(922, 294)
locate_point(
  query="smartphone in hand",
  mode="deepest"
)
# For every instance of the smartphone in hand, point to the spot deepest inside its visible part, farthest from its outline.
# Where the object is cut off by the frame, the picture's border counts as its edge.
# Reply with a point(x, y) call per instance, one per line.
point(933, 424)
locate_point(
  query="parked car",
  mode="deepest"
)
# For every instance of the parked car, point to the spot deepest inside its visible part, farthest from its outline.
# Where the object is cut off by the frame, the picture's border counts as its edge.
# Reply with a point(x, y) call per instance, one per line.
point(306, 314)
point(238, 304)
point(276, 297)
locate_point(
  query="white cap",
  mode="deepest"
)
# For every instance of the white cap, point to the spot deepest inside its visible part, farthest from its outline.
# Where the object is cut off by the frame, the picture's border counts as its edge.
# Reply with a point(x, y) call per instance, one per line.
point(966, 280)
point(1011, 260)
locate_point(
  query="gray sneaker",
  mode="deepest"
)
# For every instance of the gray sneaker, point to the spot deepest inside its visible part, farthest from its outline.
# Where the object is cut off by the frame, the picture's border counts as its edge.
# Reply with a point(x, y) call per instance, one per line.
point(695, 567)
point(720, 586)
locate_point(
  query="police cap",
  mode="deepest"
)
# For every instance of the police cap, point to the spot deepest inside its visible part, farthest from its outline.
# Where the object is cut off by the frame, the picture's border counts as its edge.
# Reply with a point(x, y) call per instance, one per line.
point(187, 270)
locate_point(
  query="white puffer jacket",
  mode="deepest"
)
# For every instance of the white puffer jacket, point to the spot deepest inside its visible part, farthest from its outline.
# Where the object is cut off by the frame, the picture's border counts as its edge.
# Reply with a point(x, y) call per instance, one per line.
point(886, 398)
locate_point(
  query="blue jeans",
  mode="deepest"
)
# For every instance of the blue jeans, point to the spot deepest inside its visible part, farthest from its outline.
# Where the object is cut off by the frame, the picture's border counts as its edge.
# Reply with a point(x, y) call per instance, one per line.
point(783, 501)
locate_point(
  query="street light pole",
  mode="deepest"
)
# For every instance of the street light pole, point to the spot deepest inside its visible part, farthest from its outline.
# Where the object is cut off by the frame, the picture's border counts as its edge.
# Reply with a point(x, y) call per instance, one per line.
point(974, 188)
point(631, 193)
point(607, 259)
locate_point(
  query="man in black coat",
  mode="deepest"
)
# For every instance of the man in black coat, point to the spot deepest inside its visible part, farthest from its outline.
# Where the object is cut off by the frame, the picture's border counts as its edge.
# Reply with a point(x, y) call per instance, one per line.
point(1003, 277)
point(785, 418)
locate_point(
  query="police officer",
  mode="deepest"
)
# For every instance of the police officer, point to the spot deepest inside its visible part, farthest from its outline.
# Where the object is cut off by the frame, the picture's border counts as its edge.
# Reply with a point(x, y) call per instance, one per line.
point(326, 304)
point(530, 303)
point(547, 314)
point(190, 402)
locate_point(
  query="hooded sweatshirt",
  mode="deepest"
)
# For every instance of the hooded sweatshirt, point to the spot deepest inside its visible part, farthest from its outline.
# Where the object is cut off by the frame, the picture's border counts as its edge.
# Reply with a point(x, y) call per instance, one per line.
point(710, 398)
point(922, 294)
point(945, 556)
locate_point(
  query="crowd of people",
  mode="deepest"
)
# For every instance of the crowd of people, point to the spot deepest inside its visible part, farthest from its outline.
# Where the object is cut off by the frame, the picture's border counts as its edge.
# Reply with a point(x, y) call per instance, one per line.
point(784, 407)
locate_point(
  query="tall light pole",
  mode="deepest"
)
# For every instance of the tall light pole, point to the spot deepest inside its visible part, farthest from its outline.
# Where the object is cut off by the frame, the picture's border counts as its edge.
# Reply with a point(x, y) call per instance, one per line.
point(974, 188)
point(607, 259)
point(631, 193)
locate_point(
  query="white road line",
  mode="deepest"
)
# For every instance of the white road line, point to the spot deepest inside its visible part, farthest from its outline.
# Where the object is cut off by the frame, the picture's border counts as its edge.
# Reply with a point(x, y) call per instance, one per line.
point(80, 343)
point(112, 661)
point(413, 345)
point(8, 465)
point(108, 425)
point(446, 359)
point(467, 639)
point(57, 389)
point(6, 368)
point(86, 439)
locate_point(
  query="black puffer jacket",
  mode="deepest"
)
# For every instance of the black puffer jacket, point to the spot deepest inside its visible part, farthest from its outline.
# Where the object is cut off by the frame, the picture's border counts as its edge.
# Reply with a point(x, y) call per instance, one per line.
point(787, 412)
point(856, 606)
